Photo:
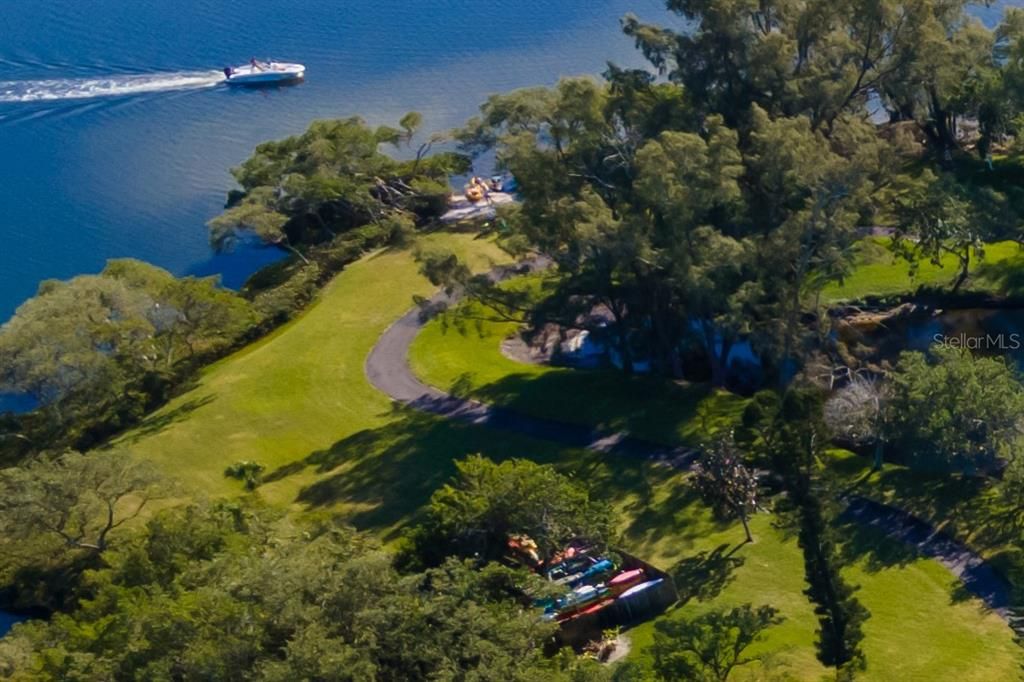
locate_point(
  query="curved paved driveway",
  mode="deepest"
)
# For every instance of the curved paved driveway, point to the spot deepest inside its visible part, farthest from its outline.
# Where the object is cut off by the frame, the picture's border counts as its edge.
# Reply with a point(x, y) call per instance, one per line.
point(387, 368)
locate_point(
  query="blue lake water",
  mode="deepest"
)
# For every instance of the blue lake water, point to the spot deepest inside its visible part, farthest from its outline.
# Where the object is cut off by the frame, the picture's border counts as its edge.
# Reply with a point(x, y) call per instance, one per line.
point(84, 179)
point(7, 621)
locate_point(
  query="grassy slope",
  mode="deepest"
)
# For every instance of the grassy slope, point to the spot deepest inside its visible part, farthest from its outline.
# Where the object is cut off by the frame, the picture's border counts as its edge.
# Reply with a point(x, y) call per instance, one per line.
point(877, 272)
point(917, 631)
point(912, 602)
point(298, 402)
point(301, 389)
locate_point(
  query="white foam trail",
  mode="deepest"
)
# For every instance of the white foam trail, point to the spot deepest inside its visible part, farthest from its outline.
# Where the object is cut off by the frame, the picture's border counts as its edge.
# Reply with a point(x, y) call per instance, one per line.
point(107, 86)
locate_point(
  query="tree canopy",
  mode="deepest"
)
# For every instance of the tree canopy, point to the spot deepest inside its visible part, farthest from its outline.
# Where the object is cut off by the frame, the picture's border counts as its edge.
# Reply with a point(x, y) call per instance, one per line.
point(974, 407)
point(709, 647)
point(680, 225)
point(79, 347)
point(224, 592)
point(75, 501)
point(485, 503)
point(713, 205)
point(309, 188)
point(926, 62)
point(726, 483)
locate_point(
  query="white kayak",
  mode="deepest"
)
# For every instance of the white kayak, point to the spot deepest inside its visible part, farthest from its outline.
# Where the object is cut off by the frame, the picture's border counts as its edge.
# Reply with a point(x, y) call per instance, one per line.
point(264, 72)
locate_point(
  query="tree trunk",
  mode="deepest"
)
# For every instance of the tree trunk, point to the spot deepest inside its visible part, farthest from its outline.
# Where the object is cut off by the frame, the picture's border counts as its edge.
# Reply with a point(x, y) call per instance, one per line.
point(792, 318)
point(746, 526)
point(294, 250)
point(942, 135)
point(621, 337)
point(624, 352)
point(965, 268)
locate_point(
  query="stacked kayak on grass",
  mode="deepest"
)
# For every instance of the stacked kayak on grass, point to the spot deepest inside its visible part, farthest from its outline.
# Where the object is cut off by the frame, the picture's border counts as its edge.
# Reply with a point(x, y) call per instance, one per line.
point(595, 584)
point(592, 588)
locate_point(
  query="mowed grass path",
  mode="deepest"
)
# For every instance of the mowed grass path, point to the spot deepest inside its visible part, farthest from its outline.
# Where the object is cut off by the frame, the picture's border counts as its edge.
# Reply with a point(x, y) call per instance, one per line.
point(922, 628)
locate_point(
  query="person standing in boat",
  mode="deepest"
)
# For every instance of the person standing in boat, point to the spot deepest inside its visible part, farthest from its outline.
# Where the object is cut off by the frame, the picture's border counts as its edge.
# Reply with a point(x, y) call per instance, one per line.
point(255, 65)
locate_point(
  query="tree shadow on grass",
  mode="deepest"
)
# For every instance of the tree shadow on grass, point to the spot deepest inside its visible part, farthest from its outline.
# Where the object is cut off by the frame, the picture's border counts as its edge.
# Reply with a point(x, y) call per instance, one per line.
point(873, 548)
point(652, 408)
point(160, 420)
point(945, 499)
point(704, 575)
point(1007, 275)
point(386, 475)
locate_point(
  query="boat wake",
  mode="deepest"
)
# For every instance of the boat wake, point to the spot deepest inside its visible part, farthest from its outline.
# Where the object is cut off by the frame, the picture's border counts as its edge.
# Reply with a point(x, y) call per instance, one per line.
point(106, 86)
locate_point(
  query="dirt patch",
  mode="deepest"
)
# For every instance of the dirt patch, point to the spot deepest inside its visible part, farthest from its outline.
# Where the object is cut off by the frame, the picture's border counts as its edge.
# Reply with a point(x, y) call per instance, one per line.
point(538, 347)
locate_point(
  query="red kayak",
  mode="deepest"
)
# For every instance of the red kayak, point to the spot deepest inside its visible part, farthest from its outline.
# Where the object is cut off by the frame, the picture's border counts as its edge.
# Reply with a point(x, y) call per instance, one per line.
point(625, 580)
point(591, 609)
point(626, 577)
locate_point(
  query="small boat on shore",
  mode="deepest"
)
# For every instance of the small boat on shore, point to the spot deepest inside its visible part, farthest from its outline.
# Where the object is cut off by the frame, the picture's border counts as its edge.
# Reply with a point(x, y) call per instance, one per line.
point(264, 73)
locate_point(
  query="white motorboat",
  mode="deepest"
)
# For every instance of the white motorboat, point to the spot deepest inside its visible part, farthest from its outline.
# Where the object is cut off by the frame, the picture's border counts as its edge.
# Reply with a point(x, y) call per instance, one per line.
point(264, 73)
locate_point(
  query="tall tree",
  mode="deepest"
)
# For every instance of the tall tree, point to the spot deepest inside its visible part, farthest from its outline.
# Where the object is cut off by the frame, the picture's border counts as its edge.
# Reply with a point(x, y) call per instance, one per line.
point(840, 614)
point(726, 483)
point(228, 593)
point(823, 60)
point(974, 410)
point(934, 221)
point(69, 338)
point(83, 348)
point(187, 314)
point(677, 224)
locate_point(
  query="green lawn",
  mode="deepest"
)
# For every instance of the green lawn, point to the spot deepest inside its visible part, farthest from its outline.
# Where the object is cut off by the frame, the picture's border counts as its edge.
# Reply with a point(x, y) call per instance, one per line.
point(918, 629)
point(921, 626)
point(878, 272)
point(714, 569)
point(299, 403)
point(466, 359)
point(301, 389)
